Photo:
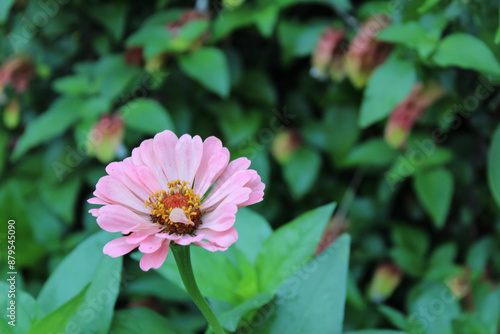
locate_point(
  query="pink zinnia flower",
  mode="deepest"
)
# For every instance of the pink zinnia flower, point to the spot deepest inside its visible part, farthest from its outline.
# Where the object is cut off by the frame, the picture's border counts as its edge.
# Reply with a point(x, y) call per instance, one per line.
point(179, 190)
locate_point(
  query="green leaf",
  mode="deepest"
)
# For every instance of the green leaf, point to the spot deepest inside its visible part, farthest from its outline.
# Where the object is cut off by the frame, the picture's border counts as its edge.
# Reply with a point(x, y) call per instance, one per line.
point(111, 16)
point(146, 116)
point(230, 317)
point(74, 85)
point(58, 320)
point(86, 264)
point(27, 310)
point(209, 67)
point(387, 87)
point(253, 230)
point(478, 256)
point(376, 331)
point(290, 247)
point(410, 247)
point(374, 152)
point(154, 38)
point(494, 166)
point(411, 34)
point(397, 318)
point(466, 51)
point(301, 171)
point(142, 320)
point(299, 39)
point(435, 190)
point(61, 196)
point(62, 114)
point(428, 5)
point(312, 300)
point(204, 265)
point(5, 6)
point(497, 35)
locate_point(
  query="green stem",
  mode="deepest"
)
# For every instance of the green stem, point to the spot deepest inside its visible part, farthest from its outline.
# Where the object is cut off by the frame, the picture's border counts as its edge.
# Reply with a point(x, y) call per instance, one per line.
point(182, 256)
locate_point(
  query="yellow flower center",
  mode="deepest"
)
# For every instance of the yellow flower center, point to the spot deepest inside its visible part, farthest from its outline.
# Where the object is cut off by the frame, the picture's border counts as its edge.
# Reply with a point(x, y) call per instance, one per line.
point(179, 195)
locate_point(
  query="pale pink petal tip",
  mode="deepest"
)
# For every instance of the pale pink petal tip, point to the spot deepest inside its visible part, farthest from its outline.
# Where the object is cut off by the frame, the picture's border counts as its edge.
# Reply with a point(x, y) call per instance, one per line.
point(156, 259)
point(118, 247)
point(178, 216)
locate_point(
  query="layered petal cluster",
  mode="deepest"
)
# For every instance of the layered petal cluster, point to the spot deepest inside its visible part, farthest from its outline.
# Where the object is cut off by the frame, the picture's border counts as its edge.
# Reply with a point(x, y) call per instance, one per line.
point(409, 111)
point(328, 56)
point(181, 190)
point(365, 52)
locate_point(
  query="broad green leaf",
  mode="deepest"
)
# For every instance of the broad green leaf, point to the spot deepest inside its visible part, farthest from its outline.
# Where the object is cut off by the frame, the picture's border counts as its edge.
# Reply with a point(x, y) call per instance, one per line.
point(5, 6)
point(86, 264)
point(205, 264)
point(146, 116)
point(61, 197)
point(62, 114)
point(154, 38)
point(299, 39)
point(111, 16)
point(116, 76)
point(230, 316)
point(376, 331)
point(74, 85)
point(387, 87)
point(26, 308)
point(374, 152)
point(428, 5)
point(494, 166)
point(437, 301)
point(59, 319)
point(434, 189)
point(411, 34)
point(312, 300)
point(256, 86)
point(142, 320)
point(410, 247)
point(290, 247)
point(253, 230)
point(478, 256)
point(209, 67)
point(301, 171)
point(397, 318)
point(227, 21)
point(466, 51)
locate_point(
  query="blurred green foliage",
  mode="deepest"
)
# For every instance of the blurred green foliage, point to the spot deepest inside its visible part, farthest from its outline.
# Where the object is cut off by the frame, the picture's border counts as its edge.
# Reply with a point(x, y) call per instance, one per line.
point(390, 109)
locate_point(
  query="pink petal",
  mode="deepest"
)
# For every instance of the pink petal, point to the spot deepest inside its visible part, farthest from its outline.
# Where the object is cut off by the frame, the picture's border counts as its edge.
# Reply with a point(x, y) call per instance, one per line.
point(117, 171)
point(151, 244)
point(238, 196)
point(144, 176)
point(114, 192)
point(235, 182)
point(149, 159)
point(136, 157)
point(188, 153)
point(94, 212)
point(233, 167)
point(210, 246)
point(213, 162)
point(139, 236)
point(171, 237)
point(223, 239)
point(117, 218)
point(96, 200)
point(156, 259)
point(178, 216)
point(221, 219)
point(118, 247)
point(187, 239)
point(164, 146)
point(257, 191)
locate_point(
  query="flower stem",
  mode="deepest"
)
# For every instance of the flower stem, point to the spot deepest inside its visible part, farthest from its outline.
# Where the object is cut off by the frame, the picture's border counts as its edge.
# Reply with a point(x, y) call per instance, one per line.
point(182, 257)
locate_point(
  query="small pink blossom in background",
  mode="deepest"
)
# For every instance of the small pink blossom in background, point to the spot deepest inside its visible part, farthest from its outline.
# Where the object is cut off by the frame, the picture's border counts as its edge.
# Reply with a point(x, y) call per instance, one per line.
point(407, 112)
point(385, 280)
point(18, 71)
point(106, 137)
point(328, 55)
point(366, 53)
point(181, 190)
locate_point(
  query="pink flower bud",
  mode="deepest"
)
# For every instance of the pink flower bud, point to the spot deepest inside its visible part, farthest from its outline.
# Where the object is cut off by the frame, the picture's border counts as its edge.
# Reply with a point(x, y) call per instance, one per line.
point(385, 280)
point(407, 112)
point(185, 18)
point(134, 55)
point(18, 71)
point(12, 114)
point(284, 144)
point(365, 52)
point(105, 137)
point(328, 55)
